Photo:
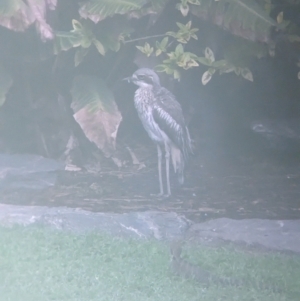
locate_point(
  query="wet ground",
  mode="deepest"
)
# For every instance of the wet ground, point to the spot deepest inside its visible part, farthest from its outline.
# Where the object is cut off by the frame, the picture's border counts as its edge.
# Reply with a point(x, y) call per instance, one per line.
point(248, 186)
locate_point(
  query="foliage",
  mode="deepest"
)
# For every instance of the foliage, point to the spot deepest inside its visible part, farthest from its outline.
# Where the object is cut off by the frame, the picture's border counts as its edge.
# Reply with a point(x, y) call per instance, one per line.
point(241, 17)
point(95, 111)
point(249, 19)
point(245, 18)
point(112, 27)
point(99, 10)
point(19, 15)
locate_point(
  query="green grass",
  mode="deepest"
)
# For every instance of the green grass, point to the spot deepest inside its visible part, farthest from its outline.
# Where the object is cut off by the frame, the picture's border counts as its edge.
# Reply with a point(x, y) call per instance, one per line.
point(42, 264)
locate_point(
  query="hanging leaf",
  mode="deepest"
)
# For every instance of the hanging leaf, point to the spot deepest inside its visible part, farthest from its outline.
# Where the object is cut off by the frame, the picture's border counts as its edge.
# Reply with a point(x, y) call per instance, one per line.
point(66, 40)
point(96, 112)
point(209, 55)
point(206, 77)
point(183, 8)
point(39, 10)
point(98, 10)
point(244, 18)
point(247, 74)
point(19, 15)
point(279, 18)
point(99, 46)
point(15, 15)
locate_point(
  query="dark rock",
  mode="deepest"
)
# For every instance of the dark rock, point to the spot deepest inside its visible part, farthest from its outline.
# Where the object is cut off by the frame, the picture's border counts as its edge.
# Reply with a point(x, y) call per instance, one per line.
point(276, 235)
point(151, 224)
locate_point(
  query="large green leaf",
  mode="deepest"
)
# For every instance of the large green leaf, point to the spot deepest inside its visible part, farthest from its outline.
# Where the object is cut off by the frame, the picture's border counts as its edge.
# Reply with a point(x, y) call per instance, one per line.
point(95, 111)
point(38, 9)
point(15, 15)
point(18, 15)
point(66, 40)
point(244, 18)
point(155, 10)
point(98, 10)
point(81, 35)
point(91, 92)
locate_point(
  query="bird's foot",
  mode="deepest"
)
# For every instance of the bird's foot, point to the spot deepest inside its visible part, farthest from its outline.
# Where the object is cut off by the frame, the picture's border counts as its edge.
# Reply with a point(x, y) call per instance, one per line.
point(161, 195)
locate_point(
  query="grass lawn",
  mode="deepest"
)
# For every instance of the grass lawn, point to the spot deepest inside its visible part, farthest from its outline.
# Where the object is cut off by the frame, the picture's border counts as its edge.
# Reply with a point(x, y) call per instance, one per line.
point(39, 264)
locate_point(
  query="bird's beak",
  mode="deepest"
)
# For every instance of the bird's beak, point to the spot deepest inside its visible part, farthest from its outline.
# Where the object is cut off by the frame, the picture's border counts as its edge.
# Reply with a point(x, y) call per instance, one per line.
point(128, 79)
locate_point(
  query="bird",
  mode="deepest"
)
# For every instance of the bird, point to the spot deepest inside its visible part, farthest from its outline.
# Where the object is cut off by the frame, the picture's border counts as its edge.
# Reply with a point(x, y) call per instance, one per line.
point(162, 118)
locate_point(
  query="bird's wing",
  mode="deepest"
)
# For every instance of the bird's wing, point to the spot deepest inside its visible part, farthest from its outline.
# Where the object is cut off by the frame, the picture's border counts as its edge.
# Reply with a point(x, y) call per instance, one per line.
point(167, 113)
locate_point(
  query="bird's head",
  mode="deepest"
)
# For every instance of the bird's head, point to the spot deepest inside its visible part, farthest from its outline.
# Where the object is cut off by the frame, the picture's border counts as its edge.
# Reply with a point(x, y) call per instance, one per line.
point(144, 77)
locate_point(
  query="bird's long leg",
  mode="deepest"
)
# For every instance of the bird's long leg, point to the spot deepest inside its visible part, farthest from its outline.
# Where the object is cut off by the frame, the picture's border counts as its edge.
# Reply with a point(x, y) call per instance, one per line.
point(159, 156)
point(168, 169)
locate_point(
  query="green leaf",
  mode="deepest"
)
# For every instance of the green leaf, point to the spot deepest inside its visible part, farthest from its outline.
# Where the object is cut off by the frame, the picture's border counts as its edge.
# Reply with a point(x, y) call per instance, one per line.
point(91, 92)
point(99, 46)
point(279, 17)
point(237, 70)
point(183, 8)
point(179, 49)
point(164, 42)
point(161, 68)
point(185, 32)
point(219, 64)
point(244, 18)
point(85, 42)
point(146, 49)
point(66, 40)
point(96, 111)
point(176, 74)
point(227, 69)
point(18, 15)
point(15, 15)
point(77, 26)
point(209, 55)
point(247, 74)
point(98, 10)
point(204, 61)
point(206, 77)
point(81, 35)
point(162, 46)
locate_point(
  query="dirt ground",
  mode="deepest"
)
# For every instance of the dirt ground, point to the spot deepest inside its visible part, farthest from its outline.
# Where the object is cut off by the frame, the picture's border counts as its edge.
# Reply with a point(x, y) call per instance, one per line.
point(248, 186)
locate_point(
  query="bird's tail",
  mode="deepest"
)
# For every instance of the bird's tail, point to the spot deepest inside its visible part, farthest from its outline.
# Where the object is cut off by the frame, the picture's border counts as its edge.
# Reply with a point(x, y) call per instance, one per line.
point(178, 163)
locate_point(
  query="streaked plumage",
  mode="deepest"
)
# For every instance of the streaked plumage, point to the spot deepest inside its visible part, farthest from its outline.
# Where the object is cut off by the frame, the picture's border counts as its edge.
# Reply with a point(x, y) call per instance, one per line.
point(162, 118)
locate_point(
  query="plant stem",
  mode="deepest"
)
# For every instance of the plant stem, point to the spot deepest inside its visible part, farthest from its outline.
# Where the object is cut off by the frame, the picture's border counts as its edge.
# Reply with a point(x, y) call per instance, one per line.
point(144, 38)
